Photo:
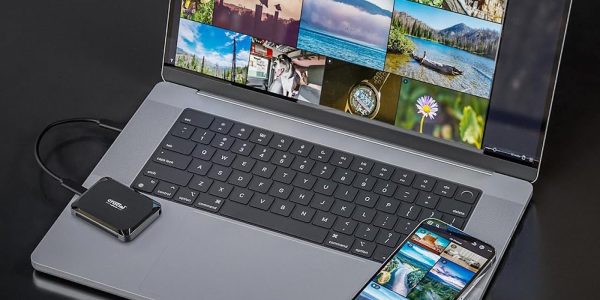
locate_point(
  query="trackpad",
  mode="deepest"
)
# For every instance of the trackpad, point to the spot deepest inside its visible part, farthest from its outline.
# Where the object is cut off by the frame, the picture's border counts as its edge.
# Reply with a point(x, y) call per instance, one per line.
point(215, 258)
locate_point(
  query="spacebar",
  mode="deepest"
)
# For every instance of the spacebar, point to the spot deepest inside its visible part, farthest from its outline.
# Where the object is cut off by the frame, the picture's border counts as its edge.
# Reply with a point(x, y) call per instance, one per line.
point(274, 222)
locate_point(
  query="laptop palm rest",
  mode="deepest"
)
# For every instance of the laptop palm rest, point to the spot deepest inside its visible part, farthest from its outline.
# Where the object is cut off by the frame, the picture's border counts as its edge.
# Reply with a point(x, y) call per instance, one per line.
point(213, 254)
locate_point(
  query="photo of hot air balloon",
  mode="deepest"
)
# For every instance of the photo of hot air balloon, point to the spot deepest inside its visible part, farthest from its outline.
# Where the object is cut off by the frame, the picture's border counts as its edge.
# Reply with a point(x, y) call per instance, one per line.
point(274, 20)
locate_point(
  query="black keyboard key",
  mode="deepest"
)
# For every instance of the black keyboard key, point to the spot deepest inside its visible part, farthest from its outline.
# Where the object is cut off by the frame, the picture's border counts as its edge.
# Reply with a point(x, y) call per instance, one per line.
point(201, 183)
point(275, 222)
point(301, 148)
point(454, 207)
point(200, 167)
point(178, 145)
point(240, 195)
point(241, 131)
point(282, 207)
point(403, 177)
point(428, 200)
point(261, 137)
point(301, 196)
point(144, 184)
point(220, 189)
point(280, 190)
point(321, 202)
point(363, 248)
point(196, 118)
point(284, 175)
point(346, 226)
point(445, 189)
point(167, 174)
point(242, 147)
point(323, 170)
point(385, 188)
point(325, 187)
point(223, 142)
point(240, 179)
point(203, 136)
point(406, 194)
point(260, 184)
point(209, 203)
point(343, 176)
point(382, 253)
point(405, 226)
point(388, 238)
point(430, 214)
point(424, 183)
point(304, 214)
point(244, 164)
point(466, 195)
point(341, 159)
point(366, 199)
point(342, 208)
point(303, 165)
point(364, 182)
point(382, 171)
point(186, 196)
point(363, 214)
point(362, 165)
point(281, 142)
point(223, 158)
point(183, 131)
point(321, 153)
point(262, 153)
point(384, 220)
point(345, 193)
point(261, 201)
point(409, 211)
point(263, 169)
point(454, 221)
point(221, 126)
point(219, 173)
point(166, 190)
point(204, 152)
point(388, 205)
point(324, 220)
point(339, 241)
point(282, 159)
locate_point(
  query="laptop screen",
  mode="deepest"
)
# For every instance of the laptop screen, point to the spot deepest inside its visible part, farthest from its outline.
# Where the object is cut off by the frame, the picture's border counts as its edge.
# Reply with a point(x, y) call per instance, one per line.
point(425, 66)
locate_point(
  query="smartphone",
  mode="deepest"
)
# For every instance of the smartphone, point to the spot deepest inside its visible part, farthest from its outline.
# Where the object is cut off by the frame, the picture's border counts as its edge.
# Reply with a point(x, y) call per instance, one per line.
point(436, 261)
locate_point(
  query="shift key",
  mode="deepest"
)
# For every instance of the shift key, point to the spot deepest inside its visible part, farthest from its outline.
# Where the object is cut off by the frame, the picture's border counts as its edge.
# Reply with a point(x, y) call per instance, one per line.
point(454, 207)
point(166, 173)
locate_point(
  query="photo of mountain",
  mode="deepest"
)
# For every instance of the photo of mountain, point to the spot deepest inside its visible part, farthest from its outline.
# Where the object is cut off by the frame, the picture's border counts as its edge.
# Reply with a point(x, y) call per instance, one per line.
point(213, 51)
point(491, 10)
point(355, 31)
point(444, 282)
point(443, 48)
point(274, 20)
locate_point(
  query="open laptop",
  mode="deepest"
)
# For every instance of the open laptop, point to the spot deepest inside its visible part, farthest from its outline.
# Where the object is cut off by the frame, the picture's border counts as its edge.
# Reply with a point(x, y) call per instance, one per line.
point(293, 144)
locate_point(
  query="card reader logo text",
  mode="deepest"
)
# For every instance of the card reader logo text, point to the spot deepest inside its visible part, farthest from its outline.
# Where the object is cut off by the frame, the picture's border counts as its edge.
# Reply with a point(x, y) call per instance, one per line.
point(116, 204)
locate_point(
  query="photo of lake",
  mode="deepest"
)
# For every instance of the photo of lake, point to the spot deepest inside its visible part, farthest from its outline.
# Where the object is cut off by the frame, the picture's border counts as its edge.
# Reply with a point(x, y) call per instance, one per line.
point(443, 48)
point(354, 31)
point(477, 71)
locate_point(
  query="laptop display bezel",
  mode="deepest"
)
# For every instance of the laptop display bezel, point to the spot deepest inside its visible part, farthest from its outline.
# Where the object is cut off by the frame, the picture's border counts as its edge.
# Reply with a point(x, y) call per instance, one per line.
point(375, 130)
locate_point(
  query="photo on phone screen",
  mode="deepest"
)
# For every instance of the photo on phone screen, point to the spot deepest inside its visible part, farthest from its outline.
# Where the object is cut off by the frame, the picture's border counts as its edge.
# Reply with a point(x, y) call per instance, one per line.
point(436, 262)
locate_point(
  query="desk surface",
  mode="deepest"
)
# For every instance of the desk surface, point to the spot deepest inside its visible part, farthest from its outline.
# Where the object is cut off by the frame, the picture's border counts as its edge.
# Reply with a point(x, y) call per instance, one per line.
point(77, 58)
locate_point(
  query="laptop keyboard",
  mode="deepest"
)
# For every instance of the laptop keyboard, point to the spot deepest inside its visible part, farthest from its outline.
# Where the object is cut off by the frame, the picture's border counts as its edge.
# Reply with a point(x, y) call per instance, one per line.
point(329, 197)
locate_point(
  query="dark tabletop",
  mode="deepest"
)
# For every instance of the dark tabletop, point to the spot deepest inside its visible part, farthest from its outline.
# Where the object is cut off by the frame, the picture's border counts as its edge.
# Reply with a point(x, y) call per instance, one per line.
point(101, 58)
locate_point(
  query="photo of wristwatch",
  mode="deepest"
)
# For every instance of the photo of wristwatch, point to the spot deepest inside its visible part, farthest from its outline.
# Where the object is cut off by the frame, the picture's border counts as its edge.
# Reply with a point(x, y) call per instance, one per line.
point(364, 98)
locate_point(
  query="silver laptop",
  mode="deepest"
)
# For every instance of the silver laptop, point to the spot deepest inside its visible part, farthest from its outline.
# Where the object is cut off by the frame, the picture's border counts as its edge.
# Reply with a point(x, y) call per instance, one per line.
point(293, 144)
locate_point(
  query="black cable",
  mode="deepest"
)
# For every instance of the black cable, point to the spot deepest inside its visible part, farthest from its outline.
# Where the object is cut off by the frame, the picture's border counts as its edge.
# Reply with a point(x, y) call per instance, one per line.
point(65, 182)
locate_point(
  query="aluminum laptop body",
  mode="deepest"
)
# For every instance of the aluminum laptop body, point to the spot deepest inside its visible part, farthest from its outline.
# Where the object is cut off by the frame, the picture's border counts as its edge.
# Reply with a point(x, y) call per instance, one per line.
point(192, 254)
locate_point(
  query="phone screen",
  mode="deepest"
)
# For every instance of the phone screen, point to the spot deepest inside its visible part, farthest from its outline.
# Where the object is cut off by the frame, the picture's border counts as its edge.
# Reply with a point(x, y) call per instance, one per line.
point(437, 261)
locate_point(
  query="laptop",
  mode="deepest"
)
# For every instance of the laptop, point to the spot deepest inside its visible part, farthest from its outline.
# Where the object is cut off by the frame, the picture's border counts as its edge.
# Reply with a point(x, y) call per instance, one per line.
point(294, 144)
